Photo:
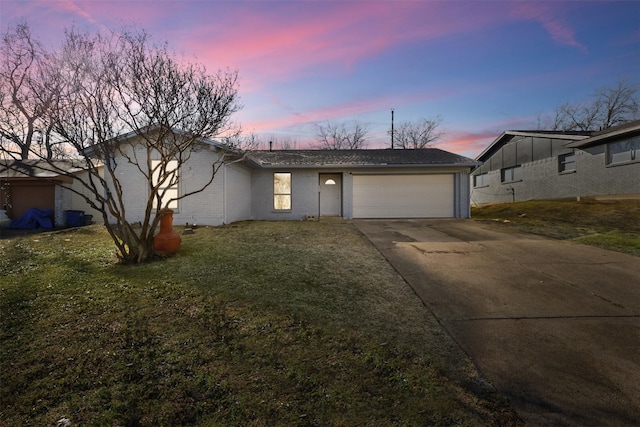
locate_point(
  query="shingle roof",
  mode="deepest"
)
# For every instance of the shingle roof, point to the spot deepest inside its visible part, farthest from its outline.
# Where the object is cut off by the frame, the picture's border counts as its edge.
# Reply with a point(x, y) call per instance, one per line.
point(358, 158)
point(33, 168)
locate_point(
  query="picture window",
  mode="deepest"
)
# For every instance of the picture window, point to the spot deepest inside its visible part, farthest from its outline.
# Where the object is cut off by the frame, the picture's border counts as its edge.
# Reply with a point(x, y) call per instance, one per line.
point(165, 178)
point(282, 191)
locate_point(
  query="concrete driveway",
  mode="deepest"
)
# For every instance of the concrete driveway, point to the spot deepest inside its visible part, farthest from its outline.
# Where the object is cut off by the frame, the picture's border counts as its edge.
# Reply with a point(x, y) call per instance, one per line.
point(555, 326)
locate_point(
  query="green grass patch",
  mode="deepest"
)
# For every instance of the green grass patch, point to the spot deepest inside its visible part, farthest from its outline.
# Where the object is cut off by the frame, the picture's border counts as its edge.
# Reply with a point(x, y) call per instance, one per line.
point(251, 324)
point(609, 224)
point(614, 240)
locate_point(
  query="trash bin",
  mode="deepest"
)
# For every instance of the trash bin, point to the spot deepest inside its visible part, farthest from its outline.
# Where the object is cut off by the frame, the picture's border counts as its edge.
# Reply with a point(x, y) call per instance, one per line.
point(4, 219)
point(74, 218)
point(88, 219)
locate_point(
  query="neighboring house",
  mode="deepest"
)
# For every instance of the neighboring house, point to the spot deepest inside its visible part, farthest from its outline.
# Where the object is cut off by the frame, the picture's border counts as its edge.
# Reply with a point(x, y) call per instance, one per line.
point(545, 165)
point(28, 184)
point(307, 184)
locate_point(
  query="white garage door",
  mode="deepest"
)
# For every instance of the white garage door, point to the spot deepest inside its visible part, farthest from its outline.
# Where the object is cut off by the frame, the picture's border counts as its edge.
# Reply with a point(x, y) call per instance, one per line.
point(403, 196)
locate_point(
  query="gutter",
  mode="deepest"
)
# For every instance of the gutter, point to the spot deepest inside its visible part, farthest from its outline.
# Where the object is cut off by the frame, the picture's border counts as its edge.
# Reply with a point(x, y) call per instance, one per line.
point(601, 138)
point(367, 166)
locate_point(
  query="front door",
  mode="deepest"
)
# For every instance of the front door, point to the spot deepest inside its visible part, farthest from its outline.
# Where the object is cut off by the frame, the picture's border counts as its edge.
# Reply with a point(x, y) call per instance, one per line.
point(330, 194)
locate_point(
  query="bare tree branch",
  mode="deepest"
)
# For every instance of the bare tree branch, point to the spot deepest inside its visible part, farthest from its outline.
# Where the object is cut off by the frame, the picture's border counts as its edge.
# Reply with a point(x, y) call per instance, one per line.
point(609, 106)
point(125, 104)
point(26, 94)
point(342, 136)
point(420, 133)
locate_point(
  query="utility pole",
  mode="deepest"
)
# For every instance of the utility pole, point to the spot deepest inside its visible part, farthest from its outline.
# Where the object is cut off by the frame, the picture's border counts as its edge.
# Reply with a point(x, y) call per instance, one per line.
point(392, 128)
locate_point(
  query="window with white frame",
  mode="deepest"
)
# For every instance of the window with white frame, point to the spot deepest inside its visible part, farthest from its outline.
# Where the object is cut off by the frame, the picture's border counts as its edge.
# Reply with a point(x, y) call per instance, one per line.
point(166, 179)
point(623, 151)
point(282, 191)
point(511, 174)
point(567, 162)
point(481, 180)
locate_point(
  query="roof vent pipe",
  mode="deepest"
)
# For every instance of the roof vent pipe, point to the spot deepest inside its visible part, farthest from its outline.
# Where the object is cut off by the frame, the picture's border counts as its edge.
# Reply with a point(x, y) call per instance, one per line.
point(270, 145)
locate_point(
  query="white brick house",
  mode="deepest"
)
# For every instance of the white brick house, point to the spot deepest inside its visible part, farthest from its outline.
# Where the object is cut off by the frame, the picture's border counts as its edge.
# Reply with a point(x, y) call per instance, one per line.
point(301, 184)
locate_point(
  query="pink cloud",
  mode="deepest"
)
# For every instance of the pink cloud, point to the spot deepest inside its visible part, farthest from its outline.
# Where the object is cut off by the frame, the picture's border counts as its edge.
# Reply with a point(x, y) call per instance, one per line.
point(542, 13)
point(467, 143)
point(470, 143)
point(337, 112)
point(73, 8)
point(48, 19)
point(275, 46)
point(271, 42)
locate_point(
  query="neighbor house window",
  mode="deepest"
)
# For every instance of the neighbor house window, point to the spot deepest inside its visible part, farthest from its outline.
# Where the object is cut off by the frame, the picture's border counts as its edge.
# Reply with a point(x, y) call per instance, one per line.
point(481, 180)
point(282, 191)
point(567, 162)
point(623, 151)
point(511, 174)
point(167, 182)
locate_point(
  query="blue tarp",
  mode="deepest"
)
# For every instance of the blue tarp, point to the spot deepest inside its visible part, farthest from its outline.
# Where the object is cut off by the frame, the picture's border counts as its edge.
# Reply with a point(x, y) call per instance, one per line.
point(34, 219)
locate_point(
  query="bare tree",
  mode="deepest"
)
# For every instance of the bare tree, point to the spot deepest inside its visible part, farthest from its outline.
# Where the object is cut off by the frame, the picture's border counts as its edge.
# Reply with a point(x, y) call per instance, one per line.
point(27, 92)
point(608, 106)
point(236, 140)
point(342, 136)
point(420, 133)
point(127, 104)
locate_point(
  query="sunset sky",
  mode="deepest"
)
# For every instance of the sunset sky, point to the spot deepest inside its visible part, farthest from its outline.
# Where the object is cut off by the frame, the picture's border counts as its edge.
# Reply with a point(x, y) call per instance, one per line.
point(484, 66)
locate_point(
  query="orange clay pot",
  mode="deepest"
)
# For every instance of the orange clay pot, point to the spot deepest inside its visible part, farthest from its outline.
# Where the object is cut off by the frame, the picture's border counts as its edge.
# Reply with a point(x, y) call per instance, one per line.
point(166, 242)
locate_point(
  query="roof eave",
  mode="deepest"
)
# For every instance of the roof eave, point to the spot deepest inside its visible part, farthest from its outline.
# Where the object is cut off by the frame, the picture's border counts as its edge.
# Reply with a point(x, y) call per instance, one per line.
point(489, 147)
point(88, 151)
point(366, 166)
point(601, 139)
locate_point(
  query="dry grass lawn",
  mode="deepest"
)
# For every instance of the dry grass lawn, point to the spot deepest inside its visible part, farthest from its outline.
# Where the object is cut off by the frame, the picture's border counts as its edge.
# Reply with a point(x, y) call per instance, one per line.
point(609, 224)
point(251, 324)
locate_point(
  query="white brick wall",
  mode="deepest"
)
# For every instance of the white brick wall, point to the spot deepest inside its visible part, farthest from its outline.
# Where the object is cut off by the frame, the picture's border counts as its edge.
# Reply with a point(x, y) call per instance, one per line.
point(304, 195)
point(80, 204)
point(205, 207)
point(238, 193)
point(305, 191)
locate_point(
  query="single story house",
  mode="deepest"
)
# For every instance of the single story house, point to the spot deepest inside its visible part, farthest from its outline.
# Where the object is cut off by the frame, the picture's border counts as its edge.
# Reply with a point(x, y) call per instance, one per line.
point(304, 184)
point(26, 184)
point(546, 165)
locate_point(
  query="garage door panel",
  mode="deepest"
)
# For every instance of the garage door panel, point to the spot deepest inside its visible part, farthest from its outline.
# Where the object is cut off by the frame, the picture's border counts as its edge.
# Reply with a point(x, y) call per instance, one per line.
point(29, 194)
point(403, 196)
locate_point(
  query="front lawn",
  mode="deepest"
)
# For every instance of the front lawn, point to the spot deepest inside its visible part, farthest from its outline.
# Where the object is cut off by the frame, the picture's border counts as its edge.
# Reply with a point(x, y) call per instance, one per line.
point(608, 224)
point(250, 324)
